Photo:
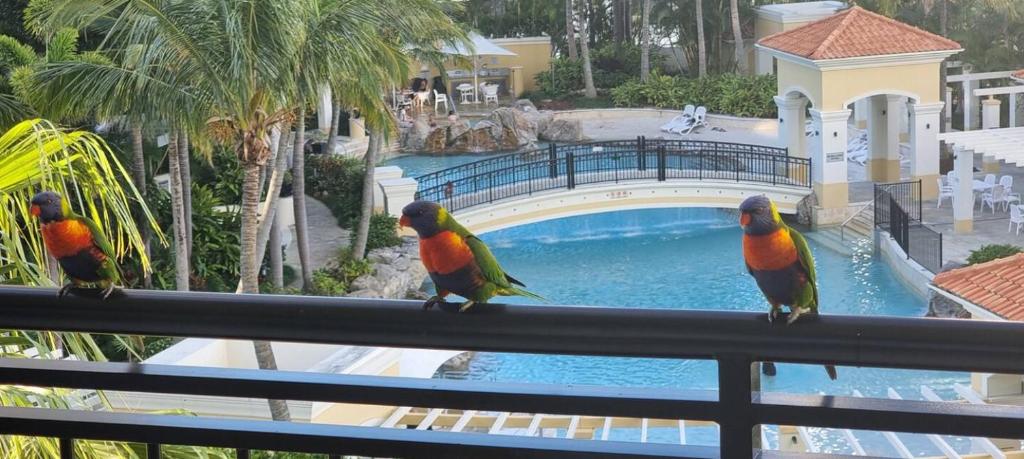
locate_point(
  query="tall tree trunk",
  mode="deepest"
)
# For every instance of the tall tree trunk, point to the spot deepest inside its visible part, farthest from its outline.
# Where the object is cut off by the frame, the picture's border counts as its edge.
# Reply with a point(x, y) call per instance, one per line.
point(366, 211)
point(250, 272)
point(943, 18)
point(299, 200)
point(332, 138)
point(268, 209)
point(737, 36)
point(186, 189)
point(617, 34)
point(570, 31)
point(627, 21)
point(702, 51)
point(181, 271)
point(276, 257)
point(645, 42)
point(139, 180)
point(588, 75)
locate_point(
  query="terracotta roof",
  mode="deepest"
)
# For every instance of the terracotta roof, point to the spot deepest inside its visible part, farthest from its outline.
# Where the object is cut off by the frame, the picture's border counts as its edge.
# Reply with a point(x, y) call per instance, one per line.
point(1018, 75)
point(856, 32)
point(997, 285)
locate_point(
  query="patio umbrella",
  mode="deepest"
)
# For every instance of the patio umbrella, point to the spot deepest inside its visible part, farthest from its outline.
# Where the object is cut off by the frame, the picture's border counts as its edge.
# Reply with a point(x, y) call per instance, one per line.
point(478, 46)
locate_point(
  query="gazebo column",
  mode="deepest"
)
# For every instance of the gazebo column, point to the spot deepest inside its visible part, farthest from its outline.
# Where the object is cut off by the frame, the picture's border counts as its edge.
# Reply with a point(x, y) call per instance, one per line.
point(860, 113)
point(884, 139)
point(963, 201)
point(990, 119)
point(924, 161)
point(828, 166)
point(792, 116)
point(948, 119)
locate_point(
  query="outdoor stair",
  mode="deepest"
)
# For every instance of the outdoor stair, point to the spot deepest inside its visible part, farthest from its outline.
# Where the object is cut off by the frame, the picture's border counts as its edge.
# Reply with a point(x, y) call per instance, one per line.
point(852, 236)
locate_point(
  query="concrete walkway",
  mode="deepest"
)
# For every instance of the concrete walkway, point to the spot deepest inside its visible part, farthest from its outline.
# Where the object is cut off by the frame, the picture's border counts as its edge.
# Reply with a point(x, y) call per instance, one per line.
point(326, 238)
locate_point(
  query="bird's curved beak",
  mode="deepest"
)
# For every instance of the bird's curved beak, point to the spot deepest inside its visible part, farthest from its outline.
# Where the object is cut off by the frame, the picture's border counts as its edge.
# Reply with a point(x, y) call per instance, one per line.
point(35, 210)
point(744, 219)
point(404, 221)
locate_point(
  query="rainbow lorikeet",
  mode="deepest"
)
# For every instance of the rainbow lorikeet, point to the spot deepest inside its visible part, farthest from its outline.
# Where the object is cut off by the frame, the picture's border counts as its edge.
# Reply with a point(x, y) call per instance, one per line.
point(77, 243)
point(458, 262)
point(780, 260)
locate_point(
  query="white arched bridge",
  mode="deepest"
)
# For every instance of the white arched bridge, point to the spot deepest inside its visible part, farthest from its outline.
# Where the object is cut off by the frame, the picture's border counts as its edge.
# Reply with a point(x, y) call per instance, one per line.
point(566, 180)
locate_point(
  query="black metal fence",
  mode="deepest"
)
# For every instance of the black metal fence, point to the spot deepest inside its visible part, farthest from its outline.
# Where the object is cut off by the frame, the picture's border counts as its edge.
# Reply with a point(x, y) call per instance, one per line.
point(567, 166)
point(898, 211)
point(733, 339)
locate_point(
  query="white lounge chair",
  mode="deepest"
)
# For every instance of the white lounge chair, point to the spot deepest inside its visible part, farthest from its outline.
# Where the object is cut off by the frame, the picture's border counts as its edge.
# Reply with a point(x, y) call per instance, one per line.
point(1015, 217)
point(698, 120)
point(491, 94)
point(440, 98)
point(680, 121)
point(945, 191)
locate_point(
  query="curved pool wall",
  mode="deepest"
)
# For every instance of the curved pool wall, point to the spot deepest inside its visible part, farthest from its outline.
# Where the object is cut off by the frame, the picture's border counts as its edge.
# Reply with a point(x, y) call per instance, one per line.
point(691, 259)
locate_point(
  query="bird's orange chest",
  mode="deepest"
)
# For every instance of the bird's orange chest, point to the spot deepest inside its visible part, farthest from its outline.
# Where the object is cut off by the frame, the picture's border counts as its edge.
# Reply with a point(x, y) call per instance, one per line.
point(66, 238)
point(445, 252)
point(770, 251)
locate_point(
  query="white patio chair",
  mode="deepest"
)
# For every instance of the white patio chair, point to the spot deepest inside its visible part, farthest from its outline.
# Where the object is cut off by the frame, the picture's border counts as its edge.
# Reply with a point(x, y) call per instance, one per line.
point(680, 121)
point(699, 119)
point(1015, 217)
point(951, 178)
point(440, 98)
point(491, 94)
point(1007, 182)
point(945, 191)
point(990, 179)
point(996, 195)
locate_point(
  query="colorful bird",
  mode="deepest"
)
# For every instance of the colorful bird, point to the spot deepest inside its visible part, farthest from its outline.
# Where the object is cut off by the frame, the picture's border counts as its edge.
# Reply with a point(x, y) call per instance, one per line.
point(458, 262)
point(780, 260)
point(79, 246)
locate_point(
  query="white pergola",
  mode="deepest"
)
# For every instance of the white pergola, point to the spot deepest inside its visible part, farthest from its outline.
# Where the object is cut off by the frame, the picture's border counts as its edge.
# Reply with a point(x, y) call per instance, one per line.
point(1006, 144)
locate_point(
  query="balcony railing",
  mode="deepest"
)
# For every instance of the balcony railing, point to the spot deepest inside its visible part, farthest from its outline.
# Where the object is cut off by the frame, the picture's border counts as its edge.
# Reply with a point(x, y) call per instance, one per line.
point(734, 339)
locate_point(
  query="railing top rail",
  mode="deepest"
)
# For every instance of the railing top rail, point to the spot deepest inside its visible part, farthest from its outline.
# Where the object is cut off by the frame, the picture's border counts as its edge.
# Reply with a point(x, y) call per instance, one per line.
point(917, 343)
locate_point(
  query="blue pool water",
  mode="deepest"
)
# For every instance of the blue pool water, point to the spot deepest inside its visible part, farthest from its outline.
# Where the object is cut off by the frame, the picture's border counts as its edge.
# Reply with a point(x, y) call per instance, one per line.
point(691, 259)
point(417, 165)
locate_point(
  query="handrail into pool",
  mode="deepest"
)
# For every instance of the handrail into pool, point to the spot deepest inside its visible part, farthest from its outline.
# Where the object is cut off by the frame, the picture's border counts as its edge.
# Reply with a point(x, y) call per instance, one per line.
point(566, 166)
point(734, 339)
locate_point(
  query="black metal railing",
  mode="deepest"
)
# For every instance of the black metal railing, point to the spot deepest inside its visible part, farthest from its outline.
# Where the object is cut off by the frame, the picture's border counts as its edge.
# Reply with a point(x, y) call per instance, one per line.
point(898, 211)
point(568, 166)
point(734, 340)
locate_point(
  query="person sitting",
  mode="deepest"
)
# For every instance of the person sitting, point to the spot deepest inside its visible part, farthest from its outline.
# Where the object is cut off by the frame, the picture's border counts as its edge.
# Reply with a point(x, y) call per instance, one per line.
point(452, 117)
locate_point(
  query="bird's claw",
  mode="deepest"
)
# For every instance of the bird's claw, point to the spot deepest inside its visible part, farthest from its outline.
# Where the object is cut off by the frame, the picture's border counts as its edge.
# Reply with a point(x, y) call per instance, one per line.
point(65, 290)
point(773, 315)
point(794, 314)
point(431, 302)
point(466, 305)
point(107, 291)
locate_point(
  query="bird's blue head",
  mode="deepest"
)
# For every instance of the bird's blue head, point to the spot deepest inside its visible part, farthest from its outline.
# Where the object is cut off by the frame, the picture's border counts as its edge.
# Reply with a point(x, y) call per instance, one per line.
point(48, 207)
point(423, 216)
point(758, 216)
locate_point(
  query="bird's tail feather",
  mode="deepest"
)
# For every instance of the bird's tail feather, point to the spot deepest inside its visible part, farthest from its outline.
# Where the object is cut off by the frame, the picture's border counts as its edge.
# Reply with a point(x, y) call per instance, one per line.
point(831, 370)
point(516, 291)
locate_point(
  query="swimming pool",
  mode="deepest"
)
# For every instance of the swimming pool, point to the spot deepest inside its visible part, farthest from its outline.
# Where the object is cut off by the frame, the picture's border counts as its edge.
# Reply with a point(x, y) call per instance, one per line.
point(690, 259)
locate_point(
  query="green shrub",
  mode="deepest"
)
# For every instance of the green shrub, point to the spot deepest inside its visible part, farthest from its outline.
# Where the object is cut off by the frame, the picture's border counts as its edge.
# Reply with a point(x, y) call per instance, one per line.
point(338, 183)
point(991, 252)
point(326, 284)
point(335, 279)
point(728, 94)
point(383, 232)
point(564, 77)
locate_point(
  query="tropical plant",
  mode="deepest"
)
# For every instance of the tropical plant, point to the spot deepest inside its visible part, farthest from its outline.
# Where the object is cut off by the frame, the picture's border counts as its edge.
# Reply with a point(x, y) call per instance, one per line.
point(337, 181)
point(383, 232)
point(737, 95)
point(991, 252)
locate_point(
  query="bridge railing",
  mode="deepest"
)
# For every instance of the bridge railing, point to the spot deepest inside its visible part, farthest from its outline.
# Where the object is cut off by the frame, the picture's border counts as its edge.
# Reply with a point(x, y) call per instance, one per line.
point(733, 339)
point(567, 166)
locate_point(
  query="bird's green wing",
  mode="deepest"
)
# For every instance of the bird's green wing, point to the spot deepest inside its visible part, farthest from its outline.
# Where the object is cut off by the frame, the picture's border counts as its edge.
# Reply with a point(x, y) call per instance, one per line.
point(97, 236)
point(485, 260)
point(803, 252)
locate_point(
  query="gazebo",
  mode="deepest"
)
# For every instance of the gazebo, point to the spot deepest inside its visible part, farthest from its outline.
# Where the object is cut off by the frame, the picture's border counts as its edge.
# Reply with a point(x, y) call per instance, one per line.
point(830, 64)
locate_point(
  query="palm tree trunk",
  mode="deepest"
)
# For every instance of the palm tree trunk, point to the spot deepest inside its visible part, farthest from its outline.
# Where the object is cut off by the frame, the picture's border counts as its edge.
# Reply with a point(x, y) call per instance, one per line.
point(702, 51)
point(366, 211)
point(267, 361)
point(617, 33)
point(186, 189)
point(737, 36)
point(139, 180)
point(276, 258)
point(645, 42)
point(588, 74)
point(299, 200)
point(570, 31)
point(943, 18)
point(332, 138)
point(181, 271)
point(268, 210)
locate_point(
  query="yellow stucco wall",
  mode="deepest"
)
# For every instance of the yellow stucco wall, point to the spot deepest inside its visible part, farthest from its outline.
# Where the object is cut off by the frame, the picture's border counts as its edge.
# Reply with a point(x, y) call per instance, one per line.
point(534, 55)
point(797, 77)
point(764, 27)
point(846, 86)
point(354, 414)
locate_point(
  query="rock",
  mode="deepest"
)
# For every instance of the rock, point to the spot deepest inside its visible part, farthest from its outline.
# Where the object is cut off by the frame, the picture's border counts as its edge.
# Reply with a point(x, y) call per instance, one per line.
point(524, 105)
point(561, 131)
point(415, 137)
point(805, 209)
point(436, 141)
point(459, 128)
point(512, 128)
point(940, 306)
point(397, 271)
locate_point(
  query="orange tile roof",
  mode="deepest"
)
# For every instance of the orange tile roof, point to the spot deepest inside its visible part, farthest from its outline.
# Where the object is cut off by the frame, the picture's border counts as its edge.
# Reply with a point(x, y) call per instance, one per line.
point(1018, 74)
point(997, 286)
point(856, 32)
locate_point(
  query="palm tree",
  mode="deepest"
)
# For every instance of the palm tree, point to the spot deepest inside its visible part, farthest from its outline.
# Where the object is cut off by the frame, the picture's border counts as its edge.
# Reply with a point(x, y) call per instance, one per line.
point(702, 53)
point(366, 210)
point(737, 36)
point(181, 258)
point(645, 42)
point(299, 199)
point(588, 74)
point(570, 31)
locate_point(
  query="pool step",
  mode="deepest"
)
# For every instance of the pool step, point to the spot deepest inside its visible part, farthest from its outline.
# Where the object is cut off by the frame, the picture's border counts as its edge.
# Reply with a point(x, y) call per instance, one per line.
point(832, 238)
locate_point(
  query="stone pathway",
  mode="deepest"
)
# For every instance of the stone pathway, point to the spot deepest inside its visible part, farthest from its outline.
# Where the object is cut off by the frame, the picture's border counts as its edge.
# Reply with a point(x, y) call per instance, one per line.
point(326, 238)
